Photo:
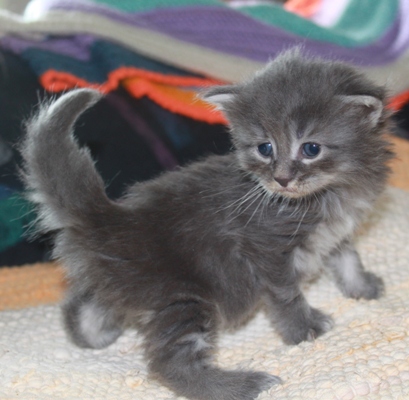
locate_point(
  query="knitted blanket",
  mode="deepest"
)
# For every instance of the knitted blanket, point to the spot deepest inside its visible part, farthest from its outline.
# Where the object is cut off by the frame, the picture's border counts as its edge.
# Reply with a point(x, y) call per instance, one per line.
point(365, 355)
point(225, 40)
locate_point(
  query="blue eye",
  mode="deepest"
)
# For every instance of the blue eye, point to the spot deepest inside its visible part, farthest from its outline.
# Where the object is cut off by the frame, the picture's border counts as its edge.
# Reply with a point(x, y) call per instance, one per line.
point(311, 150)
point(265, 149)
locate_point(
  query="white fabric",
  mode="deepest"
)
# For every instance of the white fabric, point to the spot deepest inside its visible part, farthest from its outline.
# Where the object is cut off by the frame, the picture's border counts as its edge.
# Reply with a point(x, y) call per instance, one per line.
point(365, 355)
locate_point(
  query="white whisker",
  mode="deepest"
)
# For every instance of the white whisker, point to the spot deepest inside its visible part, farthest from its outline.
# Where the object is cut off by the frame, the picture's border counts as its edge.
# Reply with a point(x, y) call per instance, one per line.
point(267, 198)
point(242, 199)
point(254, 196)
point(263, 193)
point(299, 224)
point(215, 194)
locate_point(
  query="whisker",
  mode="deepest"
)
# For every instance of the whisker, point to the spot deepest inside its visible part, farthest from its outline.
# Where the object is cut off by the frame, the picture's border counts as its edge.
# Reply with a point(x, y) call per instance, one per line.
point(242, 198)
point(297, 208)
point(266, 201)
point(250, 195)
point(258, 206)
point(284, 205)
point(214, 194)
point(254, 196)
point(299, 224)
point(317, 198)
point(339, 195)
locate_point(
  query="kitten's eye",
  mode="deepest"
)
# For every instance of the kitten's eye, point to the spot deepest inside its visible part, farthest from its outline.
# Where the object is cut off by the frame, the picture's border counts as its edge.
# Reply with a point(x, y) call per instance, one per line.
point(265, 149)
point(311, 150)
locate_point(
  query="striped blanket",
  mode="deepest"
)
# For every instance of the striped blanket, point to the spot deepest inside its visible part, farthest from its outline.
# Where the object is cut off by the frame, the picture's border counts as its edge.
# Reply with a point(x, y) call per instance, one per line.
point(166, 49)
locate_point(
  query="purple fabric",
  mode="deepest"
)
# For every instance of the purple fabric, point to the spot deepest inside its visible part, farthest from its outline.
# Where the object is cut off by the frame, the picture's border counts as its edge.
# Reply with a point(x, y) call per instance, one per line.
point(401, 42)
point(73, 46)
point(231, 32)
point(236, 34)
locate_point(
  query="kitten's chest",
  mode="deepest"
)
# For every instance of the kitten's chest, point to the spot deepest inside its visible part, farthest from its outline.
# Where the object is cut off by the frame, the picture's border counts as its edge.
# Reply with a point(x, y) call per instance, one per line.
point(310, 257)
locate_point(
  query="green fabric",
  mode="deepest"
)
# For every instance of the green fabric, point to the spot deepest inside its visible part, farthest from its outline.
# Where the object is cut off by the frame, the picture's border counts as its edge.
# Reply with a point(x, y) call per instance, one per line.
point(362, 22)
point(148, 5)
point(365, 20)
point(16, 215)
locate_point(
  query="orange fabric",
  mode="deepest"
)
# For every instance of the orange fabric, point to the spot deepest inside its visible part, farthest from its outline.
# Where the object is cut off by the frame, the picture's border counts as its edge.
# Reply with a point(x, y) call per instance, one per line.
point(179, 101)
point(400, 164)
point(304, 8)
point(397, 102)
point(177, 94)
point(172, 92)
point(30, 285)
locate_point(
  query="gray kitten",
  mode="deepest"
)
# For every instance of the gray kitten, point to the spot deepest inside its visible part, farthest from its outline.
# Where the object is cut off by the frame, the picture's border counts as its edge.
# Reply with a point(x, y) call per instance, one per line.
point(199, 249)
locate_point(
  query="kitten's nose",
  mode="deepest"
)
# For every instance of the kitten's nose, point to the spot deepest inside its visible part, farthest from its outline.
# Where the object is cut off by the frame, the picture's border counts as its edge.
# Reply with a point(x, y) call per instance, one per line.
point(283, 181)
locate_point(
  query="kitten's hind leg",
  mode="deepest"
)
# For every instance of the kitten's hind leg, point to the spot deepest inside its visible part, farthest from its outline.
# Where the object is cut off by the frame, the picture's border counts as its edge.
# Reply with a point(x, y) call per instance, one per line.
point(89, 323)
point(179, 346)
point(350, 276)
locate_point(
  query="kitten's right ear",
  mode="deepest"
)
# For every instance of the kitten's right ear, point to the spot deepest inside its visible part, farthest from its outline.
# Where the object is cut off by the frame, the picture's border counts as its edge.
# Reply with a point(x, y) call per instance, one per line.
point(219, 96)
point(370, 107)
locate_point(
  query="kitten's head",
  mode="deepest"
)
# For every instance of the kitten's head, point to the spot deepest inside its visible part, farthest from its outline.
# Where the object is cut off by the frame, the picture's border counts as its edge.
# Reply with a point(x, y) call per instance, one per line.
point(301, 125)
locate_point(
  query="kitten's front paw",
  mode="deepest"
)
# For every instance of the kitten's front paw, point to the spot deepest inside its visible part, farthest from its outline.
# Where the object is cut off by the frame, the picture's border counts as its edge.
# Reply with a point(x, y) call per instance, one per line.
point(368, 287)
point(308, 328)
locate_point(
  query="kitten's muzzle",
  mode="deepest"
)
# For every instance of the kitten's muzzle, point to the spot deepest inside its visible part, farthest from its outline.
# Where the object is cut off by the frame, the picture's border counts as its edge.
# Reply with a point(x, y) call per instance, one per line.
point(283, 181)
point(291, 192)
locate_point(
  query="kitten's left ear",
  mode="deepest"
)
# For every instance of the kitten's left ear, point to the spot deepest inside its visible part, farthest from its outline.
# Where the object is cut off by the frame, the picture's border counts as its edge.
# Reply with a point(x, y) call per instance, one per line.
point(219, 96)
point(370, 107)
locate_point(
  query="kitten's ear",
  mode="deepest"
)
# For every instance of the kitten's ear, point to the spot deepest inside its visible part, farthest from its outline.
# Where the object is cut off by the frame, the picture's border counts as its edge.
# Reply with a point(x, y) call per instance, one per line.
point(219, 96)
point(370, 107)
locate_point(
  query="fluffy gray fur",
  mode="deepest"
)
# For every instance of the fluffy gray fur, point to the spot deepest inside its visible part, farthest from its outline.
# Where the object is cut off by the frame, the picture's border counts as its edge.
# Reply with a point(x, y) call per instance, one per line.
point(199, 249)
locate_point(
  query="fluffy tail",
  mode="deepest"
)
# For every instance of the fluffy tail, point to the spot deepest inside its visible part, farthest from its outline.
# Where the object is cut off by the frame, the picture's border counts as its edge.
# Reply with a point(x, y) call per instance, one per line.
point(60, 176)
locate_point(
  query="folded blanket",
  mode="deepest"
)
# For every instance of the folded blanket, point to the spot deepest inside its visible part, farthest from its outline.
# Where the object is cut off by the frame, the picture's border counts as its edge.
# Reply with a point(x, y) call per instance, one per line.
point(365, 355)
point(223, 40)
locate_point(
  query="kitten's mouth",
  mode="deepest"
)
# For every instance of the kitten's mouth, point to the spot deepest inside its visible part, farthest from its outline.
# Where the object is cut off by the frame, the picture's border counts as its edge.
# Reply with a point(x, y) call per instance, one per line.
point(289, 192)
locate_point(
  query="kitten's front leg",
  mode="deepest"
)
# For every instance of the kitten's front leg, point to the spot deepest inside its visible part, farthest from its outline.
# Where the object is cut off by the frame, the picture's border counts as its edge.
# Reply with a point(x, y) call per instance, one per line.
point(294, 318)
point(350, 276)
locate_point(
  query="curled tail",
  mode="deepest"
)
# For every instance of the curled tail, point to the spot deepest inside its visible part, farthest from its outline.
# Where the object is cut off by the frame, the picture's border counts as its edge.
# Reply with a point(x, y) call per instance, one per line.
point(60, 176)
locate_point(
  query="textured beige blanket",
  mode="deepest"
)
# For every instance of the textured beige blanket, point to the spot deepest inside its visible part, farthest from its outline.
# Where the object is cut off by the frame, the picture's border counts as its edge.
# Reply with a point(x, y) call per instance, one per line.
point(366, 355)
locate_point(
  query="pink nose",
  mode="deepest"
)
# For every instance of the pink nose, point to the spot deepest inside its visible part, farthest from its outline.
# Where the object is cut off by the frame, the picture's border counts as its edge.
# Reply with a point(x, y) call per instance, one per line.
point(283, 181)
